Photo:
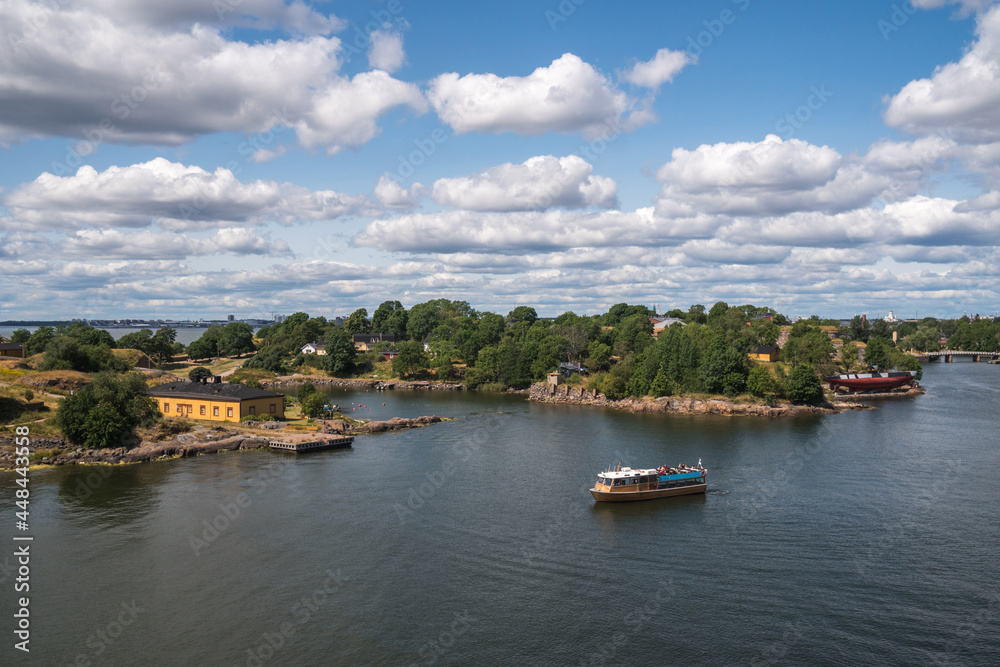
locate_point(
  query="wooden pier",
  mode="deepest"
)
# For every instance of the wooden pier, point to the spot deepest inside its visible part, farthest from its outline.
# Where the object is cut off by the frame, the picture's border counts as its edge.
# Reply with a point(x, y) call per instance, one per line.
point(312, 445)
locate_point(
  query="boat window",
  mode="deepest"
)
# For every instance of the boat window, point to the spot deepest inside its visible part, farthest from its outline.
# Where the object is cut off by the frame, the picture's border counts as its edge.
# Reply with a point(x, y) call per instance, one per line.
point(600, 481)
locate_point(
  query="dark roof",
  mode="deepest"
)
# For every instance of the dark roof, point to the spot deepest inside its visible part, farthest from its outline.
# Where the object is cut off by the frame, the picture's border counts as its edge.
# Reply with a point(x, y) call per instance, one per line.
point(11, 346)
point(373, 338)
point(574, 366)
point(766, 349)
point(219, 392)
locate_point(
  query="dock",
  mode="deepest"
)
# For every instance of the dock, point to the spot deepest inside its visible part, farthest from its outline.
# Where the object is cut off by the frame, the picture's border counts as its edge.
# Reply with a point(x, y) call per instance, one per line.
point(312, 445)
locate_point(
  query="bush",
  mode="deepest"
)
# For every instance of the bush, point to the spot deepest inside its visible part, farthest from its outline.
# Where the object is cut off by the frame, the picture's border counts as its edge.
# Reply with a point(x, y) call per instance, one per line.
point(761, 383)
point(803, 385)
point(312, 404)
point(107, 411)
point(28, 395)
point(199, 372)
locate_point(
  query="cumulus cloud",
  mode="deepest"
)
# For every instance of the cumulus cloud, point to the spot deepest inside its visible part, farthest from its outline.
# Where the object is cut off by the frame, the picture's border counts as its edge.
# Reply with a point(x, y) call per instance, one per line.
point(391, 194)
point(386, 51)
point(764, 178)
point(567, 96)
point(966, 6)
point(664, 66)
point(170, 194)
point(81, 74)
point(530, 231)
point(293, 16)
point(539, 183)
point(148, 244)
point(961, 98)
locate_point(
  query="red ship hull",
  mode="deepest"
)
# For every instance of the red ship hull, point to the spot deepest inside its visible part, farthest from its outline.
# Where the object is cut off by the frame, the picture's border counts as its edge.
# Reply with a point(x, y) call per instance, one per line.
point(871, 381)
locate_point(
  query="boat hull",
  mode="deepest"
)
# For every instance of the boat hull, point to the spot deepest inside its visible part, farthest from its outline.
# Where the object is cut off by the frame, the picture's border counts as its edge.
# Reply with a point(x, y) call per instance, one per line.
point(871, 382)
point(626, 496)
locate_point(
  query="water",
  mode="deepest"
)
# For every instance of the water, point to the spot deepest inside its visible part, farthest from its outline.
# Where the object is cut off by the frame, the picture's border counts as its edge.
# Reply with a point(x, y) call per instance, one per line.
point(863, 538)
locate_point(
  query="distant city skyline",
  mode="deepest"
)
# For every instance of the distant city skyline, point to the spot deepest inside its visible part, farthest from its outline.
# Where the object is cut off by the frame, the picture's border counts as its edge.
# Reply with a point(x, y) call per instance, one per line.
point(250, 157)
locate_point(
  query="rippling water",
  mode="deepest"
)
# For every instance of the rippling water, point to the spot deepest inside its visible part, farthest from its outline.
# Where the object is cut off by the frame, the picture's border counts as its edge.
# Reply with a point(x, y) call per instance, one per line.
point(863, 538)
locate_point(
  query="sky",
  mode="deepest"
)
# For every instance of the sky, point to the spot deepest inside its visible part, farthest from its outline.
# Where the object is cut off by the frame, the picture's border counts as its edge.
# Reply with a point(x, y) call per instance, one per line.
point(200, 158)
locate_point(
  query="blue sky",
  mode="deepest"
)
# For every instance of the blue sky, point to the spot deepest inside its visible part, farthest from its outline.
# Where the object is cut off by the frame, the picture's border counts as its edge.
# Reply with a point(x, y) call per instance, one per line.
point(247, 156)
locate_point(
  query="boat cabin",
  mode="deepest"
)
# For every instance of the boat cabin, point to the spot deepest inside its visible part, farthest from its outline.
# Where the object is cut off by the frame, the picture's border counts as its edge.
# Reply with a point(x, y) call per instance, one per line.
point(625, 480)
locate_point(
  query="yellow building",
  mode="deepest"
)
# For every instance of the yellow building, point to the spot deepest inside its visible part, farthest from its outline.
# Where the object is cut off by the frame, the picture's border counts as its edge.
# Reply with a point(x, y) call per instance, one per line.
point(765, 353)
point(215, 401)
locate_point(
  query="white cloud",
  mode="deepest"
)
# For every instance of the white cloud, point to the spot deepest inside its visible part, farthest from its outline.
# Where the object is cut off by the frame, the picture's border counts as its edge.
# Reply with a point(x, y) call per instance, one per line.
point(392, 195)
point(170, 194)
point(386, 51)
point(567, 96)
point(518, 232)
point(961, 98)
point(764, 178)
point(120, 83)
point(966, 6)
point(664, 66)
point(345, 113)
point(294, 16)
point(147, 244)
point(539, 183)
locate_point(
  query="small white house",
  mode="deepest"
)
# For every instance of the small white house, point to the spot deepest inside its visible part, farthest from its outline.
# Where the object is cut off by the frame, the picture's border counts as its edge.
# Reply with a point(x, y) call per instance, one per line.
point(314, 348)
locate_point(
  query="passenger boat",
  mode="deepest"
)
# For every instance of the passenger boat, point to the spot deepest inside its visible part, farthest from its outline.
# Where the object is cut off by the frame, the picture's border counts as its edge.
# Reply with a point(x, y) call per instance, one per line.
point(871, 381)
point(623, 484)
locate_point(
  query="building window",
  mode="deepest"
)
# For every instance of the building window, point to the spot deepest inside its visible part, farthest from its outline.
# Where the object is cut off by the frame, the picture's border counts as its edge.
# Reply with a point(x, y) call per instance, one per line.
point(166, 407)
point(273, 409)
point(203, 409)
point(215, 411)
point(253, 410)
point(229, 412)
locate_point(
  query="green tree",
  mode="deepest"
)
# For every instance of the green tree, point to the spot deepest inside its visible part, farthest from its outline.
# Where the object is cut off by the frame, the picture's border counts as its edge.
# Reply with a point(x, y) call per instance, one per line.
point(162, 343)
point(137, 340)
point(312, 404)
point(879, 354)
point(198, 373)
point(761, 383)
point(106, 412)
point(341, 354)
point(803, 385)
point(236, 339)
point(357, 322)
point(20, 336)
point(522, 314)
point(390, 317)
point(66, 353)
point(411, 358)
point(38, 340)
point(305, 390)
point(206, 346)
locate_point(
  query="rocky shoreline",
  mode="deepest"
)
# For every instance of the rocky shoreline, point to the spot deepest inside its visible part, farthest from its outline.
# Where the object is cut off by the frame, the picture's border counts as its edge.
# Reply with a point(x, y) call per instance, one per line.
point(565, 395)
point(298, 380)
point(201, 441)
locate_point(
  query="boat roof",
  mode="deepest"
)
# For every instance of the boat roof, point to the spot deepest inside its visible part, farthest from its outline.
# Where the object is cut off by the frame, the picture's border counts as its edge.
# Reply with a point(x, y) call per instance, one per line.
point(630, 472)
